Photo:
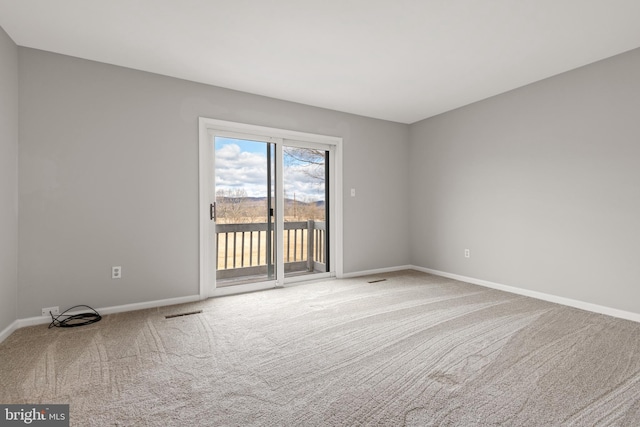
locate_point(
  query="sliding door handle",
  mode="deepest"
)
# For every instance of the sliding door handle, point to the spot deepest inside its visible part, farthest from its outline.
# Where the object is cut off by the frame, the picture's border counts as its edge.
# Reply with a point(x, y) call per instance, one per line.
point(212, 211)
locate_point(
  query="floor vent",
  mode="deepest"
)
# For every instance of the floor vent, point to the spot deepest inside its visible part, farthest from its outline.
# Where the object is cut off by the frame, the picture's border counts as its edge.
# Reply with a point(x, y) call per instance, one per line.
point(171, 316)
point(378, 280)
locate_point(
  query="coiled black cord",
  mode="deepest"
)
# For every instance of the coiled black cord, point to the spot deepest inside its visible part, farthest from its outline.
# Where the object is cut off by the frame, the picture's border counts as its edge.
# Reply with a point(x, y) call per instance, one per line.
point(73, 320)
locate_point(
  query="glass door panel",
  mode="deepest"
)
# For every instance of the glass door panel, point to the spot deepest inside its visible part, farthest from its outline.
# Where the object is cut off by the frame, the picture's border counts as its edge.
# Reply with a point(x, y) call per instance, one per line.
point(244, 207)
point(305, 232)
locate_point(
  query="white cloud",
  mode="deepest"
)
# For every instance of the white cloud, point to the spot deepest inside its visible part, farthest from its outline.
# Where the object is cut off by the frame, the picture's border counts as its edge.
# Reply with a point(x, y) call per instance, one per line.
point(298, 181)
point(242, 169)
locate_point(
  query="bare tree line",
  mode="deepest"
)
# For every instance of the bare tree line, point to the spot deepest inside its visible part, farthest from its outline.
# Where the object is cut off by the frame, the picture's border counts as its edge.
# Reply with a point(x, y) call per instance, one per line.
point(233, 206)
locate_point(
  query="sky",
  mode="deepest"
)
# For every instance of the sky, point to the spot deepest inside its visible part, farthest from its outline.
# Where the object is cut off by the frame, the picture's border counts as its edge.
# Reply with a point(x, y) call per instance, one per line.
point(243, 164)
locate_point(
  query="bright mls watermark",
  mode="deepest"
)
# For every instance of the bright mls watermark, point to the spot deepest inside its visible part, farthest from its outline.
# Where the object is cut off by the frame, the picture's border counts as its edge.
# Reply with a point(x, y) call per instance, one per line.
point(35, 415)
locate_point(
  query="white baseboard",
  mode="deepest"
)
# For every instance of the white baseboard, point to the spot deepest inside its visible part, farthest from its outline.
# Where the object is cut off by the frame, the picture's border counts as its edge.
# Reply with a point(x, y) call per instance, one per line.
point(39, 320)
point(595, 308)
point(8, 330)
point(376, 271)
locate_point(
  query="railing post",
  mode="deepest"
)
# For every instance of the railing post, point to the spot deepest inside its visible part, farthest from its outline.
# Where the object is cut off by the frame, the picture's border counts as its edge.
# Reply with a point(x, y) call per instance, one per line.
point(310, 255)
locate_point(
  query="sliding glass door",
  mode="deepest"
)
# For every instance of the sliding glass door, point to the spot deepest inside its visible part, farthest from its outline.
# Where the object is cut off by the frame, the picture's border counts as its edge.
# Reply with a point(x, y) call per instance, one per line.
point(306, 207)
point(244, 211)
point(269, 207)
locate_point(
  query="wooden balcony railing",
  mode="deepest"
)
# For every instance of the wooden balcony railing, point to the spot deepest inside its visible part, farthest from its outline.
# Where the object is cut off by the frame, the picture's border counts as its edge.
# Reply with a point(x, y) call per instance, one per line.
point(242, 248)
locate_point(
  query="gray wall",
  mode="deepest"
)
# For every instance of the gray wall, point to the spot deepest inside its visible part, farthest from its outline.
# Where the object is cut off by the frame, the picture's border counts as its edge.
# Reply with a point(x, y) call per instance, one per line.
point(109, 176)
point(541, 183)
point(8, 179)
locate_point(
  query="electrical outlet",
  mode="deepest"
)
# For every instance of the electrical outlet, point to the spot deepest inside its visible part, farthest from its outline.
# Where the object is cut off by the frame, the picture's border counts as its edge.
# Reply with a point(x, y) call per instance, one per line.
point(116, 272)
point(53, 310)
point(467, 253)
point(353, 192)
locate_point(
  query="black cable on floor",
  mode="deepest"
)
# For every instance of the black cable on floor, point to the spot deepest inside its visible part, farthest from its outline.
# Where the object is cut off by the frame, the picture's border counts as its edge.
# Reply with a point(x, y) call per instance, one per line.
point(73, 320)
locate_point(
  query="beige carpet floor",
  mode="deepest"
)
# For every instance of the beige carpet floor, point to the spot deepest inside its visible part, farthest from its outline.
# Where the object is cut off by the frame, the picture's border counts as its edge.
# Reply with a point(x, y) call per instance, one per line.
point(414, 350)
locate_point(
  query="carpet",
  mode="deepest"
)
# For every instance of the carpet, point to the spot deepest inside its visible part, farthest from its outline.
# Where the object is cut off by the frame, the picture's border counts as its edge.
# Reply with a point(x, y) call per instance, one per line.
point(411, 350)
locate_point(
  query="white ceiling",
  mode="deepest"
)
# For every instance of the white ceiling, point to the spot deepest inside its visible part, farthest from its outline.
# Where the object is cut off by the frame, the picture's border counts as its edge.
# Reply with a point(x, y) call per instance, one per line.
point(399, 60)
